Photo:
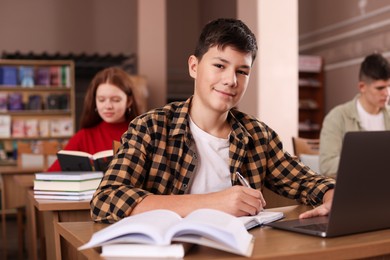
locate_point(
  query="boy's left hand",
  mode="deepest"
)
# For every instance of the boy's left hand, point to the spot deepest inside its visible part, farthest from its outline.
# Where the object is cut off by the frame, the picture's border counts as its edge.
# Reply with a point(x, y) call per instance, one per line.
point(321, 210)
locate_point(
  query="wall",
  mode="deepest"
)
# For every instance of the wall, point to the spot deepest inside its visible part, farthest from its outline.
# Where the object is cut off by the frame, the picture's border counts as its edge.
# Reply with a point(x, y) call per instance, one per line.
point(344, 36)
point(272, 94)
point(68, 26)
point(185, 20)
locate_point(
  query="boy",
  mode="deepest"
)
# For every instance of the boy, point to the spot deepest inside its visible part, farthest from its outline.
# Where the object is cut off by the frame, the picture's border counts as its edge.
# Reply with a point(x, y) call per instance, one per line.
point(185, 155)
point(368, 111)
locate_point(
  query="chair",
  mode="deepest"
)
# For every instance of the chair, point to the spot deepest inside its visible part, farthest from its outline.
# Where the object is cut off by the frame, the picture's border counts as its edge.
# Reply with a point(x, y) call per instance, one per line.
point(305, 146)
point(307, 150)
point(115, 146)
point(140, 92)
point(4, 211)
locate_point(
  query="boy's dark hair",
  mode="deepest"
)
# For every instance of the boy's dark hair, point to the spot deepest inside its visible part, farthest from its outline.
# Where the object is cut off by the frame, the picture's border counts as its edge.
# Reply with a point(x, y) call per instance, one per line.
point(226, 32)
point(374, 67)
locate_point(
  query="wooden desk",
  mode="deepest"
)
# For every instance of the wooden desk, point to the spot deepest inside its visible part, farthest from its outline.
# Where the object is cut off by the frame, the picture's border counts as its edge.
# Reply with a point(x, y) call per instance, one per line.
point(269, 244)
point(55, 211)
point(14, 197)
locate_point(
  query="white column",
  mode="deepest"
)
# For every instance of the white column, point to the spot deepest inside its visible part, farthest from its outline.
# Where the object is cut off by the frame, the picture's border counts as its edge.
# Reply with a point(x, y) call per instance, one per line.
point(152, 49)
point(272, 95)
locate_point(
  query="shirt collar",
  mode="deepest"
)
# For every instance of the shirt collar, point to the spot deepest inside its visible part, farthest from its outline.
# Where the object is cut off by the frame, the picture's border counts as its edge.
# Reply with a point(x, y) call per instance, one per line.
point(181, 123)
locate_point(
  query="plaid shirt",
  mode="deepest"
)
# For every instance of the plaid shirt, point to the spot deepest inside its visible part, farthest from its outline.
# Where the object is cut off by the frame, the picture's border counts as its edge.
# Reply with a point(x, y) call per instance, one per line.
point(157, 156)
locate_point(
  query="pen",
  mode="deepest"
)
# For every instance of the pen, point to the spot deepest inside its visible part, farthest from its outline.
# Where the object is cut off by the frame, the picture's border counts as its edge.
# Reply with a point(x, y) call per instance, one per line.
point(242, 180)
point(244, 183)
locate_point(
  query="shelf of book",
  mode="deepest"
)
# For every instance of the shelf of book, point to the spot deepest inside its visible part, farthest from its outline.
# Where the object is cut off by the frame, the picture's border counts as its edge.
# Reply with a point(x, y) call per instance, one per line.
point(311, 96)
point(37, 104)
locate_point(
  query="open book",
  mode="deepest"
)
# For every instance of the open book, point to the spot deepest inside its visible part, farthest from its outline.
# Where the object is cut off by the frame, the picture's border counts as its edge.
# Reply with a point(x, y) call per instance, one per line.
point(206, 227)
point(264, 217)
point(83, 161)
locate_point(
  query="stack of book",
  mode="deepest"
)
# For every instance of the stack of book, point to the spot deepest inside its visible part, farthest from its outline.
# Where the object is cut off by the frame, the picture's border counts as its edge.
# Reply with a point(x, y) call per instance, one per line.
point(66, 185)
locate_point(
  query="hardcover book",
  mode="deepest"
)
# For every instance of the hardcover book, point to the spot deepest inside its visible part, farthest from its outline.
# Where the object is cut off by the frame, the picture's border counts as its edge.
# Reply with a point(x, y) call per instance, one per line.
point(15, 101)
point(18, 128)
point(26, 76)
point(61, 127)
point(67, 185)
point(68, 176)
point(76, 197)
point(43, 128)
point(42, 76)
point(34, 102)
point(65, 76)
point(31, 127)
point(53, 102)
point(82, 161)
point(64, 195)
point(176, 249)
point(55, 76)
point(9, 75)
point(3, 102)
point(206, 227)
point(5, 126)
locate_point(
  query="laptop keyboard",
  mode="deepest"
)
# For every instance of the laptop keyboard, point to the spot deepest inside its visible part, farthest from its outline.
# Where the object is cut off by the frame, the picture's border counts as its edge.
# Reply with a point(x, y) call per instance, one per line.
point(318, 227)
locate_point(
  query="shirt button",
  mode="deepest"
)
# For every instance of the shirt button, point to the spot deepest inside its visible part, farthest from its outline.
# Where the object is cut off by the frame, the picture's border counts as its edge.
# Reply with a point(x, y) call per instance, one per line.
point(185, 186)
point(195, 156)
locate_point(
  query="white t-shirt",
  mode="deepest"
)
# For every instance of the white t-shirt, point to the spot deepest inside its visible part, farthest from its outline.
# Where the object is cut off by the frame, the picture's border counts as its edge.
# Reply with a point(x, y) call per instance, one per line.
point(368, 121)
point(212, 172)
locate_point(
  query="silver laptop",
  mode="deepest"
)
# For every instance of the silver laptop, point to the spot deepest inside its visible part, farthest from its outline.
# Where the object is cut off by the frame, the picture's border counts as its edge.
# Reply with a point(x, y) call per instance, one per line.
point(362, 193)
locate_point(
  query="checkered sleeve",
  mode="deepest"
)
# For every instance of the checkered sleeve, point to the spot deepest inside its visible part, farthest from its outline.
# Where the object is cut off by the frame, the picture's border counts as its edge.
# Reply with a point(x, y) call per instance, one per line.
point(121, 187)
point(287, 176)
point(153, 159)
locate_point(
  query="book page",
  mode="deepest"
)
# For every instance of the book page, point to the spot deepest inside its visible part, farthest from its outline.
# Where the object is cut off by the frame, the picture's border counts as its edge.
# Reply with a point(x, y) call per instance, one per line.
point(103, 154)
point(263, 217)
point(76, 153)
point(148, 227)
point(213, 228)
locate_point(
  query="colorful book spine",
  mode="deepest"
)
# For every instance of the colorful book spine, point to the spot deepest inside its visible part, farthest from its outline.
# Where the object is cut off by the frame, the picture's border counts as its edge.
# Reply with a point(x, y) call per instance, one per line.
point(9, 75)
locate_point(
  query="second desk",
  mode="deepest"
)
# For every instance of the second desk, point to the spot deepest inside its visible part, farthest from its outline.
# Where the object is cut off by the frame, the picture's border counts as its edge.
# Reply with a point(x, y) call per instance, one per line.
point(55, 211)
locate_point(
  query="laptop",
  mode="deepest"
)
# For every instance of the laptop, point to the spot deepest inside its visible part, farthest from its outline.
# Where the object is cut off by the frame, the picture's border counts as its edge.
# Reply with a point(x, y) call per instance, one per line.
point(362, 193)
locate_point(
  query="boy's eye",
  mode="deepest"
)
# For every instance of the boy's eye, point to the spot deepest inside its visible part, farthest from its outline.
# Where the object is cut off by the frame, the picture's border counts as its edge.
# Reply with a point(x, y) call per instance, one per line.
point(242, 72)
point(219, 66)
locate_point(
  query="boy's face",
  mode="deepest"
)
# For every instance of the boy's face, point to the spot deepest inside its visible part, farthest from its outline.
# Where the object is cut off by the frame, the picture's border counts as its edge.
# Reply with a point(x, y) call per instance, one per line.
point(221, 77)
point(375, 94)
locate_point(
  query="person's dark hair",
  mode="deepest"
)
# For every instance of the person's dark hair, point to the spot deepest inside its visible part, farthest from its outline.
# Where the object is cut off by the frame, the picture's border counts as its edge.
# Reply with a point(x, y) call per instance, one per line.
point(374, 67)
point(226, 32)
point(117, 77)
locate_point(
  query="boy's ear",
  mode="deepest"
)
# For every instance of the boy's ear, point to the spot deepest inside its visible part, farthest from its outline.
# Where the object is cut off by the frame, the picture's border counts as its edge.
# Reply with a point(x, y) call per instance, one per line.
point(361, 86)
point(192, 66)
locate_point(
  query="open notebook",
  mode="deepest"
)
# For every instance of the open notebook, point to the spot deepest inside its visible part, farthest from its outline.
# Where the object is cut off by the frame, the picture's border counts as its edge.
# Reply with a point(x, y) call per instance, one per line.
point(361, 197)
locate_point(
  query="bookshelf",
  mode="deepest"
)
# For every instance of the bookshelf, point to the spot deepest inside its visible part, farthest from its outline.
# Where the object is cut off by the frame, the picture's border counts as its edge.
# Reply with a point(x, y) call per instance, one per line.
point(37, 110)
point(311, 96)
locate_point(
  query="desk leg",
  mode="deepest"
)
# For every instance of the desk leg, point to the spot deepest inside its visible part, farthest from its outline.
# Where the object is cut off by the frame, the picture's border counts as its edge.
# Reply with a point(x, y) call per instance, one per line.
point(53, 246)
point(21, 227)
point(4, 234)
point(3, 219)
point(31, 226)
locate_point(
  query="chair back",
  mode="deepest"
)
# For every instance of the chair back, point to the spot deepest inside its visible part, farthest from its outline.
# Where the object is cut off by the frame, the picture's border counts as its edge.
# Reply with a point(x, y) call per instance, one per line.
point(308, 150)
point(115, 146)
point(305, 146)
